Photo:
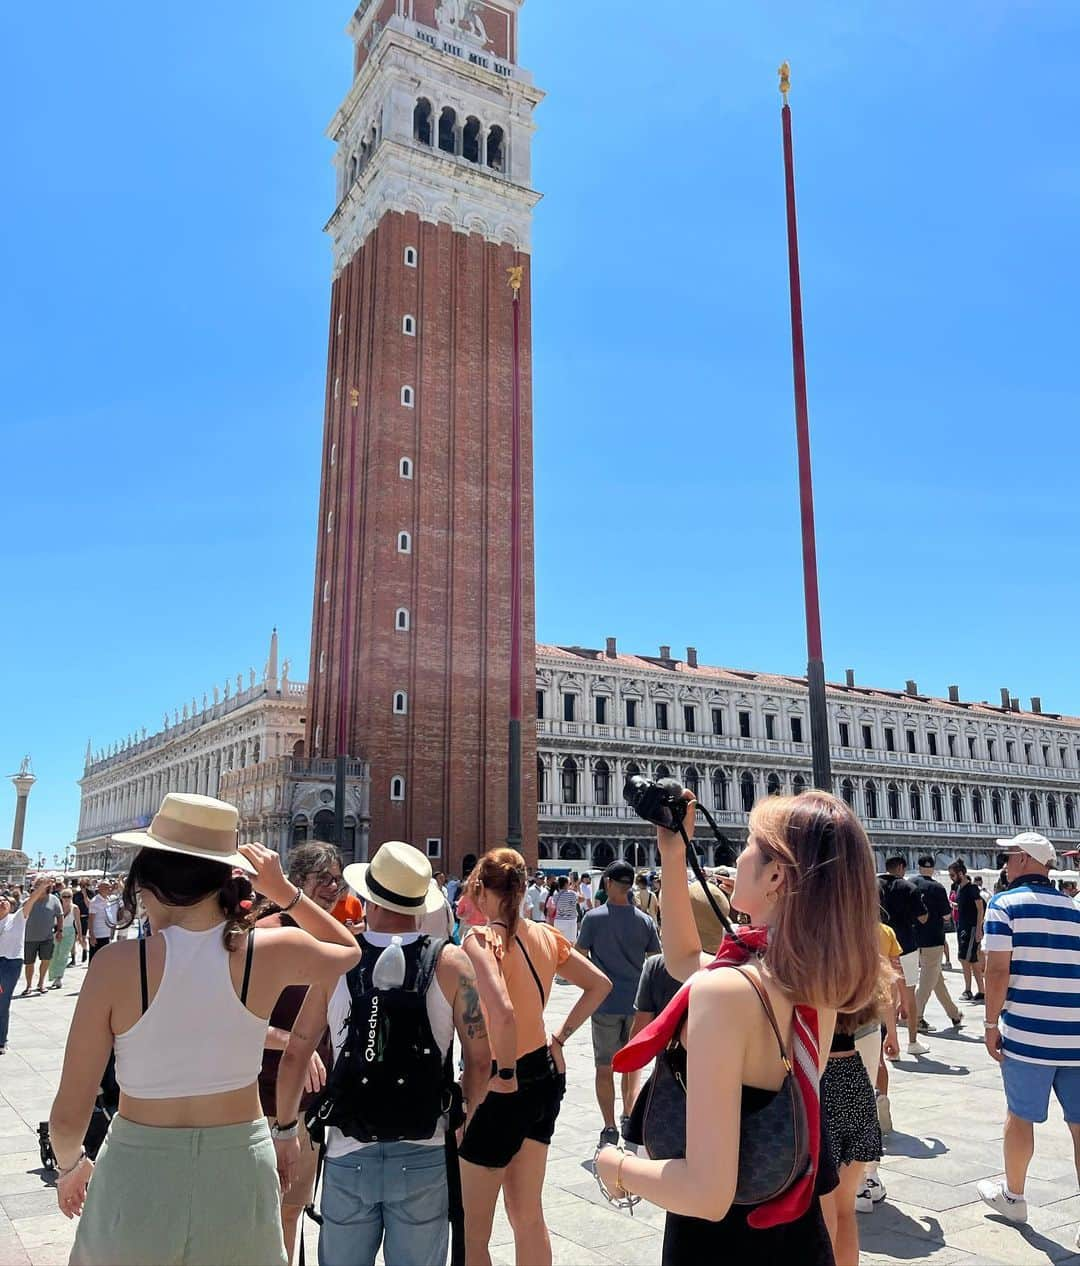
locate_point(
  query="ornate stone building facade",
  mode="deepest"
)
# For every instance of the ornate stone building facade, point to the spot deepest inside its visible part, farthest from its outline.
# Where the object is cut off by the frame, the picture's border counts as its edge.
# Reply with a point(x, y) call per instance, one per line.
point(942, 776)
point(250, 723)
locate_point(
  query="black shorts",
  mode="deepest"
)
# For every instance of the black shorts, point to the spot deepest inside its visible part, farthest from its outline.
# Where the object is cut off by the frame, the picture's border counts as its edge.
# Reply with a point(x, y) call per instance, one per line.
point(503, 1122)
point(967, 945)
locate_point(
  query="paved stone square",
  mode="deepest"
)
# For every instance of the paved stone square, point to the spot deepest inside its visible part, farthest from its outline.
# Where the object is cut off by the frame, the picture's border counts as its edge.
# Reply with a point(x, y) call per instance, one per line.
point(947, 1110)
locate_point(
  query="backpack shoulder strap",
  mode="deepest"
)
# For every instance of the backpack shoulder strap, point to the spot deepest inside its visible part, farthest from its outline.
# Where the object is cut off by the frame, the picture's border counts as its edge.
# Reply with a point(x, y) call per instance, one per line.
point(428, 963)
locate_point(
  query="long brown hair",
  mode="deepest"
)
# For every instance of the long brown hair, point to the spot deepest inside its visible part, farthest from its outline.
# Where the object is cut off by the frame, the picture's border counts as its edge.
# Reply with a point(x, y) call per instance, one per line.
point(502, 872)
point(823, 945)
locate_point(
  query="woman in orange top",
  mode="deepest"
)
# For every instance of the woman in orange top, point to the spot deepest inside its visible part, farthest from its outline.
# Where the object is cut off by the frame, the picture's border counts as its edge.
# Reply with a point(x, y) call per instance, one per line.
point(507, 1136)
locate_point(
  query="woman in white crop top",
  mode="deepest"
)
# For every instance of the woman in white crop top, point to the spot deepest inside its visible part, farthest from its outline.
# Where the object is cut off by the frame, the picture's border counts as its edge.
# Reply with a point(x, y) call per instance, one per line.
point(186, 1012)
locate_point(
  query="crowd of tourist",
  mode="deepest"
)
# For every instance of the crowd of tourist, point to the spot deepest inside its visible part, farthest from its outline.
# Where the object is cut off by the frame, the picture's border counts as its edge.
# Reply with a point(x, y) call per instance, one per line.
point(369, 1042)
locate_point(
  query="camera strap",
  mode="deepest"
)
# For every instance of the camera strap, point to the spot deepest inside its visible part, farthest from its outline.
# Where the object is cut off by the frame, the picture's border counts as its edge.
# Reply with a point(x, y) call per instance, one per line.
point(695, 865)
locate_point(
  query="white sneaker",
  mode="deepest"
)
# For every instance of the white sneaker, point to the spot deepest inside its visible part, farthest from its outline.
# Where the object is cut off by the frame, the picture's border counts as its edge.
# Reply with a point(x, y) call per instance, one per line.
point(875, 1188)
point(863, 1202)
point(993, 1194)
point(884, 1114)
point(918, 1048)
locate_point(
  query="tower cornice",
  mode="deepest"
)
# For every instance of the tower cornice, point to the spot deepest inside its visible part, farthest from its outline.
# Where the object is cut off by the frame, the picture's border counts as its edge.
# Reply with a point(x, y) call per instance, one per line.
point(439, 189)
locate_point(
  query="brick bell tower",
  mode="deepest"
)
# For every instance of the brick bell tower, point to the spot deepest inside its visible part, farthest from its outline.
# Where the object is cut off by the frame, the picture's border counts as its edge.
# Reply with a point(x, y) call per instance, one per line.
point(410, 655)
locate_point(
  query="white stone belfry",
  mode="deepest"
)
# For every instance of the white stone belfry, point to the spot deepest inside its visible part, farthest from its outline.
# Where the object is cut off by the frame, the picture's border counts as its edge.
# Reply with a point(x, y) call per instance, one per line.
point(437, 122)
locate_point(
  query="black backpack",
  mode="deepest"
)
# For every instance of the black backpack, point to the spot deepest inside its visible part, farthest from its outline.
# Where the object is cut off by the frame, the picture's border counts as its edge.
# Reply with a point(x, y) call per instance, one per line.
point(390, 1082)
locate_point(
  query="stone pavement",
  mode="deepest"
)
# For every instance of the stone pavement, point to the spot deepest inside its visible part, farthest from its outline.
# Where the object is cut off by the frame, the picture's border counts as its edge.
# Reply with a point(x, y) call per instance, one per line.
point(947, 1110)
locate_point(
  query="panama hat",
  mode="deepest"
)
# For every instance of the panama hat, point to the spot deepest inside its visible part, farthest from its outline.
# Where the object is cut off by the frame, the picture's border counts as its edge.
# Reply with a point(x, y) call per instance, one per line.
point(398, 878)
point(194, 826)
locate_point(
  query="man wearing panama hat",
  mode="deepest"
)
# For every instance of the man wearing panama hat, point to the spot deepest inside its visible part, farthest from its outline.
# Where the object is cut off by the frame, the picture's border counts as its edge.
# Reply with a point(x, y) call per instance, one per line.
point(399, 1197)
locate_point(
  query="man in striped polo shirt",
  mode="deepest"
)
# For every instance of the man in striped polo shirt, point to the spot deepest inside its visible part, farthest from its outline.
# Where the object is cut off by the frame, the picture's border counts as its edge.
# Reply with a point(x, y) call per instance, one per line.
point(1032, 943)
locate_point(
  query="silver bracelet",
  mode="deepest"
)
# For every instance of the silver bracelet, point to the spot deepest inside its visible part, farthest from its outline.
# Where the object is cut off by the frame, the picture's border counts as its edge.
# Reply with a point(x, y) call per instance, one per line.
point(627, 1200)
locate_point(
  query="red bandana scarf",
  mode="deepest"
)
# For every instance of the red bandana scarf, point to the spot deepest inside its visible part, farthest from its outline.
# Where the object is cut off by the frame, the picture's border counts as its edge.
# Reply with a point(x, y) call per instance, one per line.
point(655, 1037)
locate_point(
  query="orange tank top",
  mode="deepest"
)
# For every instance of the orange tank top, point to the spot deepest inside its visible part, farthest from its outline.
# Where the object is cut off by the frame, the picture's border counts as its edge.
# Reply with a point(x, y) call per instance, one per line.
point(528, 965)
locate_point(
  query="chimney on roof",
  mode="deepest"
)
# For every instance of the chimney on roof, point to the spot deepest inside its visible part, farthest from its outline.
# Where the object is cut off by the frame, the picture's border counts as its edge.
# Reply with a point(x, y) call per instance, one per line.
point(1004, 697)
point(954, 694)
point(665, 652)
point(1015, 704)
point(1036, 703)
point(611, 652)
point(849, 675)
point(912, 688)
point(691, 656)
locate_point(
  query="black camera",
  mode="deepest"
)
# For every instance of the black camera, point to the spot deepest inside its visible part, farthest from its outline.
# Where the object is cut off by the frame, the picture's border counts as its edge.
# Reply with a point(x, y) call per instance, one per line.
point(660, 803)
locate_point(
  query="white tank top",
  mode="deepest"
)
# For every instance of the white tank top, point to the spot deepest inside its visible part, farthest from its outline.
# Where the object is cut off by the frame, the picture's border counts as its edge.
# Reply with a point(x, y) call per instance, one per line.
point(440, 1017)
point(196, 1037)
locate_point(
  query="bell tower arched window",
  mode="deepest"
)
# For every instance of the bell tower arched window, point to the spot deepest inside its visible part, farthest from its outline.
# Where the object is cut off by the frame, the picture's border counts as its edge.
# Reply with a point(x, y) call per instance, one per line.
point(871, 800)
point(719, 789)
point(937, 804)
point(957, 805)
point(893, 794)
point(746, 790)
point(496, 149)
point(470, 140)
point(448, 131)
point(422, 121)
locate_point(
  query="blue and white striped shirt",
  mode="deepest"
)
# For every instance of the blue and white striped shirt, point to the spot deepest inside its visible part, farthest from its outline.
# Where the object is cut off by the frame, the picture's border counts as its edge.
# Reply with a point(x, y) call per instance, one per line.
point(1040, 928)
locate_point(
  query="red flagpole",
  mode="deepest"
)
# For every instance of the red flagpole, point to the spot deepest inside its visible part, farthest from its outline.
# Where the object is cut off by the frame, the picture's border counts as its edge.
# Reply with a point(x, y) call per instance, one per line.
point(513, 803)
point(819, 721)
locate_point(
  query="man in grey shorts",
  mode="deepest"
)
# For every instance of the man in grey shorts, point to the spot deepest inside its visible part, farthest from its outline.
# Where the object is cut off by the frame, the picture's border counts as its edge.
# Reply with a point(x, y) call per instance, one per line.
point(618, 937)
point(44, 928)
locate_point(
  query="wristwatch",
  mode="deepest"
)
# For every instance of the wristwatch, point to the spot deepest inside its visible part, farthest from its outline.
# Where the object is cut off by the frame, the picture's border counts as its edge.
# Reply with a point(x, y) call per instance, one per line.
point(290, 1131)
point(506, 1074)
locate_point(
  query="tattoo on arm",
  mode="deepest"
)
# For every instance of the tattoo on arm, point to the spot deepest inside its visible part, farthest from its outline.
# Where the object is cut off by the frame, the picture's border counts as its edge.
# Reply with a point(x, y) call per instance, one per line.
point(472, 1017)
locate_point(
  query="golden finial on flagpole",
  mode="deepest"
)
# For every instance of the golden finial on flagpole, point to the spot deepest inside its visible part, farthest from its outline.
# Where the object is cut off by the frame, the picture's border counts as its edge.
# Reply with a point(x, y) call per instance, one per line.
point(516, 275)
point(785, 79)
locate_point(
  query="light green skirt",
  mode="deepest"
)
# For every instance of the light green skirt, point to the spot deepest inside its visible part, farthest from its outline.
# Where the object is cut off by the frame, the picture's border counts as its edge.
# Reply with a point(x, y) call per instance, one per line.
point(172, 1197)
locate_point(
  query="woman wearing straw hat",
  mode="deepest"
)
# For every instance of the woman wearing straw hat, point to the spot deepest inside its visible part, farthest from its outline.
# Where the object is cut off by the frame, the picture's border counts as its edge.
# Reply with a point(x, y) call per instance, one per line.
point(186, 1014)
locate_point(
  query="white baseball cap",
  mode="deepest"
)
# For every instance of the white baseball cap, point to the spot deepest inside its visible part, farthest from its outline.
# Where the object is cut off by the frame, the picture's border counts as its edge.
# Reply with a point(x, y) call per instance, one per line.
point(1031, 842)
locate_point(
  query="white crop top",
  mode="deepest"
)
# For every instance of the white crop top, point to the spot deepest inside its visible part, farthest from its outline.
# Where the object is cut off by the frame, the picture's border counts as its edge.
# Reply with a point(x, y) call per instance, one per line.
point(196, 1037)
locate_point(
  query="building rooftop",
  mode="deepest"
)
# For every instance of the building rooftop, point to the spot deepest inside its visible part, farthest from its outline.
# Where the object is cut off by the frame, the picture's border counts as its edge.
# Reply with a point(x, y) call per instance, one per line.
point(690, 667)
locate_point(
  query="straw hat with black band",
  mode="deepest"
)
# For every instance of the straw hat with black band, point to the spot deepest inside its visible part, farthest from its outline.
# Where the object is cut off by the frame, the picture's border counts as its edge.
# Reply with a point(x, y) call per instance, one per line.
point(192, 826)
point(398, 878)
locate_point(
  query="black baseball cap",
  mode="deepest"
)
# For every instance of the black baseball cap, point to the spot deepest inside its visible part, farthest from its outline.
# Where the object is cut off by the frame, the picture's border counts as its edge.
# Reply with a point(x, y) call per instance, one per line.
point(619, 873)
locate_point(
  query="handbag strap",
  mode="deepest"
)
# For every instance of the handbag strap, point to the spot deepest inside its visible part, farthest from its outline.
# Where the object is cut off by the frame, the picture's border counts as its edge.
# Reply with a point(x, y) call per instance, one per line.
point(521, 946)
point(759, 989)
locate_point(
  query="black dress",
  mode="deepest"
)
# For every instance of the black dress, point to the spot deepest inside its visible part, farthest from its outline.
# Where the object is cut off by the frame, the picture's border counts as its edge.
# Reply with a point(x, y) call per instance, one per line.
point(805, 1242)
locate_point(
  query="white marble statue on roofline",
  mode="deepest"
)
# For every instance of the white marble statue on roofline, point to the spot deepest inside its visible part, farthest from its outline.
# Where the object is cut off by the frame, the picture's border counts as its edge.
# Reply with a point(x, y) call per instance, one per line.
point(463, 19)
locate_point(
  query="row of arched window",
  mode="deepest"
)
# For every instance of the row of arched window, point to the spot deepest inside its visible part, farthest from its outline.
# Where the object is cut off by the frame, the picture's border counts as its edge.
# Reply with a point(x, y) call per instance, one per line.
point(997, 807)
point(570, 771)
point(469, 140)
point(891, 801)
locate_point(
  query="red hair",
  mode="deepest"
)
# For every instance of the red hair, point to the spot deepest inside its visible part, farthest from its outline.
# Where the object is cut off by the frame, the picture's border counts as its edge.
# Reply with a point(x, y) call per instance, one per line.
point(501, 872)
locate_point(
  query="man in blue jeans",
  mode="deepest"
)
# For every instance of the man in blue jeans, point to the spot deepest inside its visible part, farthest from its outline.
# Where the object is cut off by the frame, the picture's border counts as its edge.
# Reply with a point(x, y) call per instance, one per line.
point(1032, 943)
point(392, 1194)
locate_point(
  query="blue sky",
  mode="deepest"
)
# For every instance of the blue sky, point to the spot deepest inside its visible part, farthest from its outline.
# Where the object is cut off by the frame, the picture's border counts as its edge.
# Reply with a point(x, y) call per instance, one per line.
point(163, 326)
